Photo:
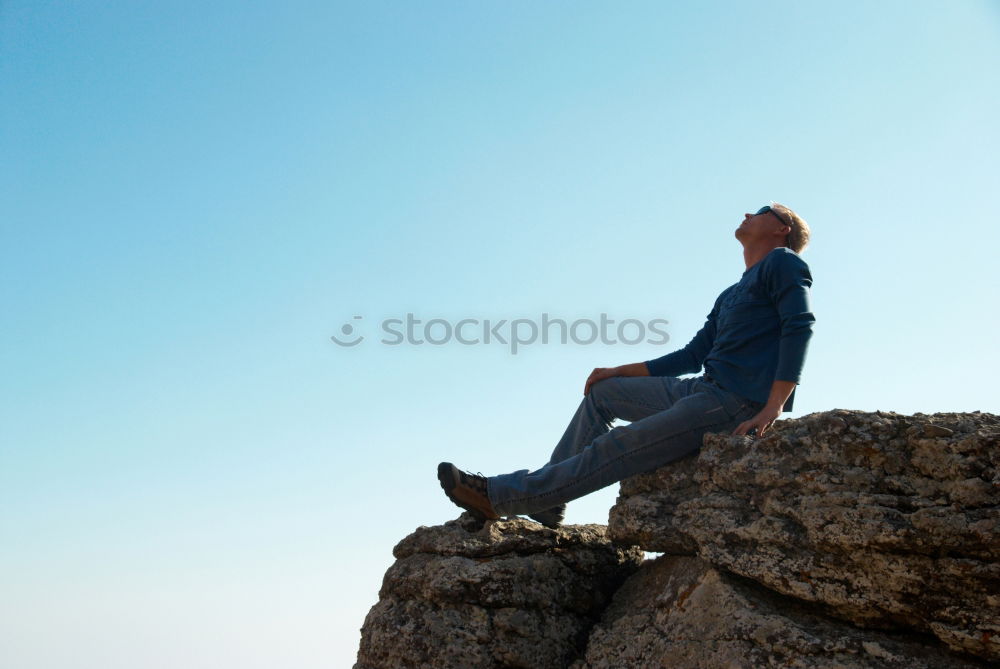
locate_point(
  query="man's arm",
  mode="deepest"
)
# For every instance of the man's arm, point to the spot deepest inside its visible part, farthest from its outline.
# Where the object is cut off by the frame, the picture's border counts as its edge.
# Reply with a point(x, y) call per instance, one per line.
point(788, 281)
point(633, 369)
point(681, 361)
point(689, 359)
point(780, 392)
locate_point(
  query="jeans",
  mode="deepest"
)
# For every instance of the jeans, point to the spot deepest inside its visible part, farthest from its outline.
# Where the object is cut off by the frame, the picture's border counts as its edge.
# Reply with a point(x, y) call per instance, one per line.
point(669, 417)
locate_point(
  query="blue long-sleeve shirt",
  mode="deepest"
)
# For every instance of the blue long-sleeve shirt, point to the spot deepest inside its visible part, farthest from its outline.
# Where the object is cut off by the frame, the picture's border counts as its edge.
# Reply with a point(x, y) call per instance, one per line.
point(757, 332)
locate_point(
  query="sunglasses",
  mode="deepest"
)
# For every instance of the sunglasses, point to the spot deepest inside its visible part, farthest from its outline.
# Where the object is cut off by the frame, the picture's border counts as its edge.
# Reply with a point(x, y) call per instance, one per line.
point(766, 209)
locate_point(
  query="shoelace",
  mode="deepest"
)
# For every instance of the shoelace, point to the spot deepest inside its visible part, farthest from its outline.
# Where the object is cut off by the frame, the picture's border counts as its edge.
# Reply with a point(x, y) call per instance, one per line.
point(477, 480)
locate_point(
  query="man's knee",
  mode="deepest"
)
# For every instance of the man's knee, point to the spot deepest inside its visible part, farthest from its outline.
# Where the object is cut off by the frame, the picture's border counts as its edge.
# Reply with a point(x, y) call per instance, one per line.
point(601, 389)
point(600, 394)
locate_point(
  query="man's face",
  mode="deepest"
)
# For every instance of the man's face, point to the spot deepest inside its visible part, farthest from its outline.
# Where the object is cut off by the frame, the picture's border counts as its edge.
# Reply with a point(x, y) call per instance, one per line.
point(760, 226)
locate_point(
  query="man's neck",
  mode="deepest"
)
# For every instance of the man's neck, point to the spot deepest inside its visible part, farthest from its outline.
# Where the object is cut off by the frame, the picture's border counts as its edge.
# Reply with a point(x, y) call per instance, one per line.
point(754, 254)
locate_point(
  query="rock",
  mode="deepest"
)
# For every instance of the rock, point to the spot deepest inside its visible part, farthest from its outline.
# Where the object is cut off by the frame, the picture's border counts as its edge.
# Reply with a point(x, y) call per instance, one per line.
point(679, 611)
point(644, 513)
point(504, 594)
point(842, 539)
point(886, 521)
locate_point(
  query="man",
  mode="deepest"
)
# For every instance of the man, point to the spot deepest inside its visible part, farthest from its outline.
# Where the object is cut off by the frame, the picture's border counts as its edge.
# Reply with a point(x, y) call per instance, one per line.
point(752, 347)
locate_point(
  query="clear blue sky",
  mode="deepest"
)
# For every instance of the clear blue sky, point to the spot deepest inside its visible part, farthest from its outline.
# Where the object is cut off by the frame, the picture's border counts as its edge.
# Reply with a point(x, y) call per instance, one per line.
point(195, 197)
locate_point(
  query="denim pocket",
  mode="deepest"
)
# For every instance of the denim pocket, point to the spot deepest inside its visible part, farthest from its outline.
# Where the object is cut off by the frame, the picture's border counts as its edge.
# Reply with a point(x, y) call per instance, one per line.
point(734, 405)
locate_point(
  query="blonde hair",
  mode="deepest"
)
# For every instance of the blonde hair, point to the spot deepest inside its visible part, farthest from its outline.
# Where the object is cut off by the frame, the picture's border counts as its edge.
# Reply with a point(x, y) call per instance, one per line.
point(798, 237)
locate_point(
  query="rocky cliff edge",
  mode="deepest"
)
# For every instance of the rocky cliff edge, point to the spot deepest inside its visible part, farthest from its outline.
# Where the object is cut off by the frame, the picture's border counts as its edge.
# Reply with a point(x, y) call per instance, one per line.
point(841, 539)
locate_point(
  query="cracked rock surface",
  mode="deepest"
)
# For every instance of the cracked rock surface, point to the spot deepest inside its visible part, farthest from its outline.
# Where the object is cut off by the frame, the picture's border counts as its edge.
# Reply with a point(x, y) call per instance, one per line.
point(504, 594)
point(679, 611)
point(889, 521)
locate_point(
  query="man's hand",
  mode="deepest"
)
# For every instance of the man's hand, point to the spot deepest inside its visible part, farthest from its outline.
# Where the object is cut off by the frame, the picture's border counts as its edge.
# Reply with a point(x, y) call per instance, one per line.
point(762, 421)
point(599, 374)
point(780, 390)
point(633, 369)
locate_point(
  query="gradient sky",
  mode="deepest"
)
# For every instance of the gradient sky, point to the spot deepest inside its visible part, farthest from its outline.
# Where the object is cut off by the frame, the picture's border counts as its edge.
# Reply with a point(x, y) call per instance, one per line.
point(195, 197)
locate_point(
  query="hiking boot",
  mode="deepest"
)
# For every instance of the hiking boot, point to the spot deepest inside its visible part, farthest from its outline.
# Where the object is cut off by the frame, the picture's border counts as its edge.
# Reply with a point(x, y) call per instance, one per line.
point(551, 518)
point(466, 490)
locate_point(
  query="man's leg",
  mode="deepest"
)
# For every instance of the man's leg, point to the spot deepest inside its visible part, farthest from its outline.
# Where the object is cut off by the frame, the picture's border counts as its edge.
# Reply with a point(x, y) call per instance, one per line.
point(629, 398)
point(643, 445)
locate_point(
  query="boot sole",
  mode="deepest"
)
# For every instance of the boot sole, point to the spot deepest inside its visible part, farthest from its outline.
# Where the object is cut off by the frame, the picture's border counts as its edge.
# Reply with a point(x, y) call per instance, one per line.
point(547, 521)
